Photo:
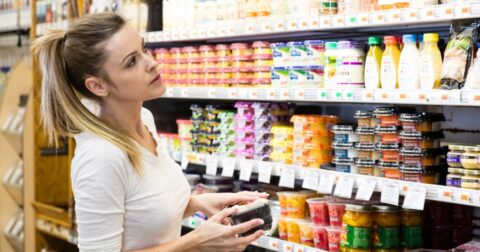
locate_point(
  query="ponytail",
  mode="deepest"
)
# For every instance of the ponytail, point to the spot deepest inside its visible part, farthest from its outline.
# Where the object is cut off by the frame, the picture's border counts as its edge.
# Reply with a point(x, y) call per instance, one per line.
point(64, 65)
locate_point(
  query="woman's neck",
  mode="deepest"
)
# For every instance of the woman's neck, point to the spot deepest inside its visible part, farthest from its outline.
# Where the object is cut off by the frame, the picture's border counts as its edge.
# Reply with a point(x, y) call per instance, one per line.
point(126, 116)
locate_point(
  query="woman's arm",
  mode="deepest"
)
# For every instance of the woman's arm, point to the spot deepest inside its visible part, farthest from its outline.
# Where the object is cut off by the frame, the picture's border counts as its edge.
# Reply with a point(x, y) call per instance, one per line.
point(212, 236)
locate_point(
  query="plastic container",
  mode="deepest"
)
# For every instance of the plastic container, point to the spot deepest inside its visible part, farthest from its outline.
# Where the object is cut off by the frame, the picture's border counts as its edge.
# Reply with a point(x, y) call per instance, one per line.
point(350, 65)
point(320, 237)
point(256, 209)
point(306, 233)
point(430, 63)
point(298, 53)
point(419, 174)
point(296, 203)
point(389, 170)
point(280, 54)
point(319, 210)
point(282, 199)
point(336, 210)
point(471, 179)
point(344, 134)
point(261, 50)
point(280, 77)
point(293, 231)
point(298, 76)
point(315, 76)
point(454, 177)
point(282, 228)
point(469, 157)
point(419, 157)
point(366, 135)
point(330, 72)
point(386, 231)
point(315, 52)
point(418, 140)
point(356, 228)
point(454, 156)
point(344, 150)
point(345, 165)
point(387, 135)
point(409, 65)
point(367, 152)
point(333, 238)
point(241, 51)
point(423, 122)
point(365, 167)
point(372, 64)
point(389, 65)
point(386, 116)
point(365, 119)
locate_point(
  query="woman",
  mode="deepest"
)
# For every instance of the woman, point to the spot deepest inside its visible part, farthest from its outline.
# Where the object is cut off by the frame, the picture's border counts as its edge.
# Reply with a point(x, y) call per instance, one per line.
point(130, 196)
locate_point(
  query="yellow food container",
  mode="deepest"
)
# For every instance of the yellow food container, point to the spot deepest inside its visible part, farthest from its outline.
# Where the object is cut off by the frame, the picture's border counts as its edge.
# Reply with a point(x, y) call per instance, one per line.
point(293, 231)
point(296, 203)
point(356, 228)
point(306, 232)
point(282, 228)
point(282, 130)
point(386, 231)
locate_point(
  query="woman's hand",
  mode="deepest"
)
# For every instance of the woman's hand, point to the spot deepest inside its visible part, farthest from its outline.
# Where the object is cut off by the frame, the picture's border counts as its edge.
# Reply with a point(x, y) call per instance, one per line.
point(212, 203)
point(212, 235)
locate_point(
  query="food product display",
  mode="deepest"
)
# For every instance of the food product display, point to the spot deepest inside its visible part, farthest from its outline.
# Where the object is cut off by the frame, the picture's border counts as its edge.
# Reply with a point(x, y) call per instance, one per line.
point(256, 209)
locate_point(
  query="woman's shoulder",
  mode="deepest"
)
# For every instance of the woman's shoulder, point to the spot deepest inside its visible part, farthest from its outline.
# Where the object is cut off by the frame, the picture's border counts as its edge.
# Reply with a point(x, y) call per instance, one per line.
point(90, 144)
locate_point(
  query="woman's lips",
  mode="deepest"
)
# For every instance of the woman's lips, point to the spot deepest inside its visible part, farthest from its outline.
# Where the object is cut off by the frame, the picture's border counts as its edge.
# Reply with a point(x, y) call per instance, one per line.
point(156, 79)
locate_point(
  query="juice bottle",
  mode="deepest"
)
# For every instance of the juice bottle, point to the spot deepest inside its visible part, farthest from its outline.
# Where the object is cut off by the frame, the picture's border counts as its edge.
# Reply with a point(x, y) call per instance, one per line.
point(409, 65)
point(430, 63)
point(372, 63)
point(389, 65)
point(330, 64)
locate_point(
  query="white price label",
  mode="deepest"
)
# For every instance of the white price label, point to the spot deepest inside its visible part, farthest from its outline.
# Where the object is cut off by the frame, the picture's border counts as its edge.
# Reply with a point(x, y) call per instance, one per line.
point(266, 26)
point(326, 21)
point(365, 188)
point(367, 95)
point(379, 17)
point(232, 93)
point(428, 13)
point(363, 18)
point(271, 94)
point(463, 10)
point(299, 94)
point(476, 199)
point(344, 187)
point(284, 93)
point(422, 96)
point(264, 172)
point(212, 165)
point(415, 198)
point(303, 24)
point(394, 16)
point(228, 166)
point(313, 23)
point(446, 11)
point(287, 247)
point(326, 183)
point(411, 14)
point(348, 95)
point(337, 95)
point(184, 92)
point(299, 248)
point(222, 31)
point(230, 30)
point(150, 37)
point(287, 178)
point(292, 25)
point(169, 92)
point(185, 161)
point(248, 28)
point(445, 194)
point(279, 25)
point(211, 93)
point(462, 197)
point(390, 193)
point(273, 244)
point(338, 20)
point(253, 93)
point(246, 167)
point(310, 180)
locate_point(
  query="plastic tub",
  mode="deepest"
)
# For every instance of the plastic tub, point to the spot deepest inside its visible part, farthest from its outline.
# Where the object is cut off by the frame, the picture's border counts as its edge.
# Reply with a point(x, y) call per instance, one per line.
point(386, 116)
point(261, 49)
point(282, 199)
point(367, 152)
point(333, 238)
point(336, 210)
point(365, 119)
point(344, 134)
point(365, 167)
point(280, 77)
point(320, 237)
point(387, 135)
point(426, 175)
point(293, 231)
point(423, 122)
point(319, 210)
point(344, 150)
point(366, 135)
point(306, 233)
point(454, 156)
point(469, 157)
point(426, 140)
point(296, 203)
point(280, 54)
point(389, 152)
point(345, 165)
point(282, 229)
point(419, 157)
point(390, 170)
point(241, 50)
point(298, 76)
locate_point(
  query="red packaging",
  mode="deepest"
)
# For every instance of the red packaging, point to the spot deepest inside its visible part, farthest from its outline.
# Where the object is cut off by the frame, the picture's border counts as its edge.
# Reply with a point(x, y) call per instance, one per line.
point(335, 212)
point(320, 237)
point(333, 239)
point(319, 211)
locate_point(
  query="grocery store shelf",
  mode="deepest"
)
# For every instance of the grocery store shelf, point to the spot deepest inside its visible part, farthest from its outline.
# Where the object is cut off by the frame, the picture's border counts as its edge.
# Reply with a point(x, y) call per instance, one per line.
point(266, 242)
point(270, 27)
point(55, 230)
point(419, 97)
point(316, 176)
point(43, 27)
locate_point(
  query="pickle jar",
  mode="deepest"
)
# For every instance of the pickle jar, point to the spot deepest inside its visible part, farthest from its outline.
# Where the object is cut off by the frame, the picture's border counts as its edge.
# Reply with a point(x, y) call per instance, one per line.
point(411, 234)
point(454, 156)
point(471, 179)
point(454, 177)
point(356, 228)
point(469, 157)
point(386, 228)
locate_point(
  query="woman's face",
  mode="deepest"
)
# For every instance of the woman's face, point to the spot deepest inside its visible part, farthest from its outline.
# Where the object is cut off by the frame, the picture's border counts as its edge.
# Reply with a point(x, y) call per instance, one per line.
point(131, 69)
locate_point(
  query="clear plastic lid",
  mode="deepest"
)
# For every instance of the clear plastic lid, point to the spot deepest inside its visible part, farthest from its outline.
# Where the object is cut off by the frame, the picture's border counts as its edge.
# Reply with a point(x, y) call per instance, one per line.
point(422, 117)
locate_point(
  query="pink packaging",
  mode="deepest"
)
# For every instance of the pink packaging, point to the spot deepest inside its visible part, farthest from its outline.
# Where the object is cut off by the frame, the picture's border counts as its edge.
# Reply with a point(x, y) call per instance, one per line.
point(333, 239)
point(319, 211)
point(335, 213)
point(320, 237)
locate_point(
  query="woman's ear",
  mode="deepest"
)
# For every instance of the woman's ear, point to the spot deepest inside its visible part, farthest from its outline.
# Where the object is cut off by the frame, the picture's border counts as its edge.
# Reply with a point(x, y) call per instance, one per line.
point(96, 86)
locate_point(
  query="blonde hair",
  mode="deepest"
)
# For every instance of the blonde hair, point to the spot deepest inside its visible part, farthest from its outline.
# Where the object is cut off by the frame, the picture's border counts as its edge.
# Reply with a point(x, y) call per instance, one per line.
point(66, 59)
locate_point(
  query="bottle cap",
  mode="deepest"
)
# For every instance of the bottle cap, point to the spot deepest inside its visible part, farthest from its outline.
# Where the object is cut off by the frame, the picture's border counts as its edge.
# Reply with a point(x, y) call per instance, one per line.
point(390, 40)
point(374, 41)
point(410, 38)
point(430, 37)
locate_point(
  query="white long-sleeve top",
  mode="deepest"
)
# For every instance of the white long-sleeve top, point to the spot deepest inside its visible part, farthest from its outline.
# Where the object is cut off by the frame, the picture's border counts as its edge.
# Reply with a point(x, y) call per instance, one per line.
point(116, 209)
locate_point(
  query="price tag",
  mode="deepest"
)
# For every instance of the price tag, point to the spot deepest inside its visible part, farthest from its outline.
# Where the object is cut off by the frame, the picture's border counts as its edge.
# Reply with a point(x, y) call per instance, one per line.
point(351, 20)
point(390, 193)
point(462, 197)
point(266, 26)
point(158, 37)
point(463, 10)
point(167, 35)
point(322, 95)
point(292, 25)
point(284, 93)
point(211, 93)
point(394, 16)
point(338, 20)
point(183, 35)
point(279, 25)
point(428, 13)
point(326, 183)
point(248, 28)
point(367, 95)
point(230, 30)
point(287, 247)
point(169, 92)
point(325, 21)
point(228, 165)
point(445, 194)
point(411, 15)
point(403, 96)
point(222, 31)
point(314, 23)
point(344, 187)
point(273, 244)
point(348, 95)
point(363, 18)
point(175, 35)
point(184, 92)
point(303, 24)
point(337, 95)
point(365, 189)
point(446, 11)
point(310, 180)
point(232, 93)
point(184, 162)
point(246, 167)
point(264, 172)
point(212, 165)
point(287, 178)
point(299, 248)
point(415, 198)
point(476, 199)
point(271, 94)
point(299, 94)
point(379, 17)
point(252, 93)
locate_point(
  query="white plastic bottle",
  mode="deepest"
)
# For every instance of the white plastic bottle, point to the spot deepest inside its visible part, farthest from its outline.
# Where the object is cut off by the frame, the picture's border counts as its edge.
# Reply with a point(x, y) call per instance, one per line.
point(430, 63)
point(409, 65)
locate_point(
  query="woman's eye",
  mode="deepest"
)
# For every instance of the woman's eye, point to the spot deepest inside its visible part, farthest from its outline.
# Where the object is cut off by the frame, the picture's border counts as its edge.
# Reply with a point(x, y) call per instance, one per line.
point(132, 62)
